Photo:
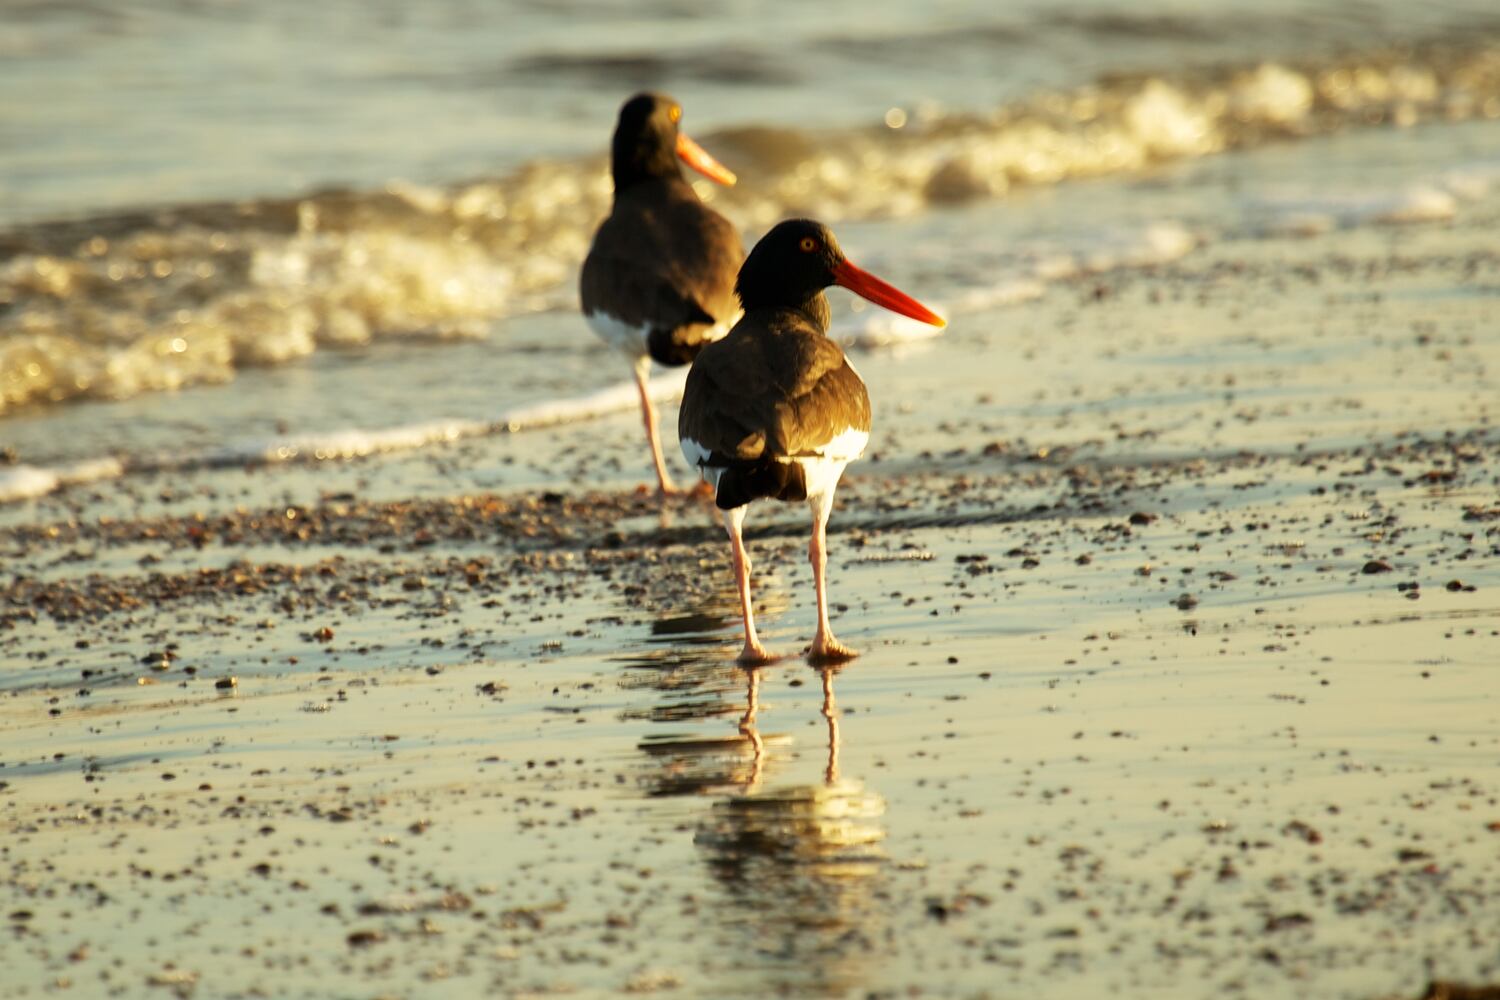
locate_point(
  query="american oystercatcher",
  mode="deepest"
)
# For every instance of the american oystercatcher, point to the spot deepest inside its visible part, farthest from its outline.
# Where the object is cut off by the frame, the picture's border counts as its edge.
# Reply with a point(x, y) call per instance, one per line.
point(774, 410)
point(658, 282)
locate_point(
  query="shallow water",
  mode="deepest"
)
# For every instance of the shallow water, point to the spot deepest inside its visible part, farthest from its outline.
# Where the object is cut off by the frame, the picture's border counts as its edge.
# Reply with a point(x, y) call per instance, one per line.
point(198, 259)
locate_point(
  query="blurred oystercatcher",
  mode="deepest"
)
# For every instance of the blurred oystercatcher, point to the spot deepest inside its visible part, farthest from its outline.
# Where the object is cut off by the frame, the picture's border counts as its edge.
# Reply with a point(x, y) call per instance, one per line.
point(775, 410)
point(658, 282)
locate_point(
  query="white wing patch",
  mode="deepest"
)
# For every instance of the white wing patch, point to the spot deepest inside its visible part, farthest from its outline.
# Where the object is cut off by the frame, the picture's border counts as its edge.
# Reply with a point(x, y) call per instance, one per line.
point(695, 453)
point(697, 456)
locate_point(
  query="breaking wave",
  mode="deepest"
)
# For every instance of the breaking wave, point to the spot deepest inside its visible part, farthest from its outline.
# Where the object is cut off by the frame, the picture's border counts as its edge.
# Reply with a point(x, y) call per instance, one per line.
point(109, 307)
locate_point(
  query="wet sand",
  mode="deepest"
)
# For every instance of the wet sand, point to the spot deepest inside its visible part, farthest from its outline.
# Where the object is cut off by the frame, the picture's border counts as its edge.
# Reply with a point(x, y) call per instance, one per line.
point(1179, 619)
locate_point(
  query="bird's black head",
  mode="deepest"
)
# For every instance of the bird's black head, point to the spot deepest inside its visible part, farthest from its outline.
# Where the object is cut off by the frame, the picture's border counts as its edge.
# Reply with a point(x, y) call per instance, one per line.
point(648, 144)
point(796, 260)
point(645, 143)
point(790, 266)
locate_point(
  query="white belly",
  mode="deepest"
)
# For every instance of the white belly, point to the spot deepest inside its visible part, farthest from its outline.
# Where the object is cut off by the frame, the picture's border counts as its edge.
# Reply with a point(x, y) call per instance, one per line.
point(820, 471)
point(631, 341)
point(627, 339)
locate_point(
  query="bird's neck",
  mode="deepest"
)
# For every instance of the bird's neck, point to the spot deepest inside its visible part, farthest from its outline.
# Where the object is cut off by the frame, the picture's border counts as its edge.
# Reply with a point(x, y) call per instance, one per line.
point(632, 166)
point(816, 309)
point(813, 311)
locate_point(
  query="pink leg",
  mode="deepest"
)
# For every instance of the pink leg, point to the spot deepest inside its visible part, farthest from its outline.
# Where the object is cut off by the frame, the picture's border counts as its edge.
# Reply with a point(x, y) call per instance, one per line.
point(753, 652)
point(751, 732)
point(825, 648)
point(648, 412)
point(831, 713)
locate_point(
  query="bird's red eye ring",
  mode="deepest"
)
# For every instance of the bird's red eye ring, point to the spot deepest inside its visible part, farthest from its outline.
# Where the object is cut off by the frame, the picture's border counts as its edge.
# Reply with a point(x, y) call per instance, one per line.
point(808, 244)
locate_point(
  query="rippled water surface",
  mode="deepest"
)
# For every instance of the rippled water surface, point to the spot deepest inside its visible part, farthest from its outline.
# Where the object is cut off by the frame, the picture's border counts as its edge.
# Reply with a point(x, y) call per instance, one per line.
point(470, 143)
point(110, 105)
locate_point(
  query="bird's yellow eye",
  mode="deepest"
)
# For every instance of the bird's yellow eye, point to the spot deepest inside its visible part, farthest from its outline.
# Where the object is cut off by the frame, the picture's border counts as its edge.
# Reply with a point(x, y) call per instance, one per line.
point(808, 244)
point(675, 114)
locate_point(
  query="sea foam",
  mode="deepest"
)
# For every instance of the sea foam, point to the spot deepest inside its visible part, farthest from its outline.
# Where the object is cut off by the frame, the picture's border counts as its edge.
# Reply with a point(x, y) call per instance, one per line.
point(27, 482)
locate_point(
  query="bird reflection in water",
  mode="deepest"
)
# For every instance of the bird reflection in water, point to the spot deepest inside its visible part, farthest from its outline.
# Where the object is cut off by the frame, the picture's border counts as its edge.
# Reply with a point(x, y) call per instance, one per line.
point(801, 864)
point(692, 684)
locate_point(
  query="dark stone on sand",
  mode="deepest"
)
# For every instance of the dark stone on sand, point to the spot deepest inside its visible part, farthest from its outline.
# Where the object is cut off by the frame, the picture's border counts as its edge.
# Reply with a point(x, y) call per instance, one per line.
point(1297, 828)
point(1286, 921)
point(1440, 990)
point(1454, 586)
point(1142, 517)
point(1186, 602)
point(363, 939)
point(1377, 566)
point(226, 683)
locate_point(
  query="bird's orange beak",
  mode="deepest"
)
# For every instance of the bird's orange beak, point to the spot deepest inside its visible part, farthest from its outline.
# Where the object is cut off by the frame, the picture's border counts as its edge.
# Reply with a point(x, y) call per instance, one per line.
point(866, 285)
point(694, 156)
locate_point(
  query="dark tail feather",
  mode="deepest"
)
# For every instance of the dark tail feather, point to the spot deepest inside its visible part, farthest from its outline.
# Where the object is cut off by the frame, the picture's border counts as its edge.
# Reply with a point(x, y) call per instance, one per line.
point(775, 480)
point(680, 344)
point(672, 347)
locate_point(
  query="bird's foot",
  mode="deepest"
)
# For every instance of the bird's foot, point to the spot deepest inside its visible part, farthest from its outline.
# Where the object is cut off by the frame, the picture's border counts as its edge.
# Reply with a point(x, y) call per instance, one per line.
point(826, 649)
point(755, 655)
point(671, 489)
point(698, 491)
point(661, 491)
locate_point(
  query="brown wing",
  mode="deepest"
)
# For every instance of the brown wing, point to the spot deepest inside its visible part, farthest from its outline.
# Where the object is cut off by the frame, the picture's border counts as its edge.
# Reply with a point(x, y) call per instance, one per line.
point(634, 290)
point(768, 394)
point(663, 260)
point(836, 402)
